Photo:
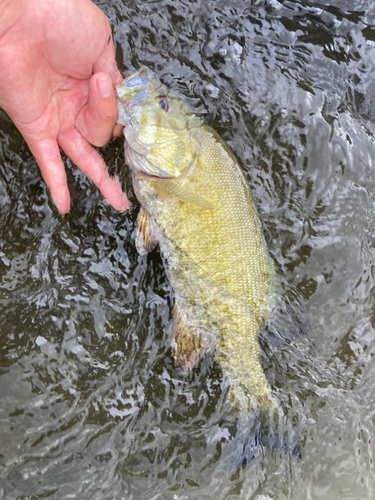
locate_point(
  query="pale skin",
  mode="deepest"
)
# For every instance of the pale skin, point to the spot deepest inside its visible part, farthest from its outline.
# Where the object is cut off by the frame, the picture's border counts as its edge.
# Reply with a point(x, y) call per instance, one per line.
point(57, 80)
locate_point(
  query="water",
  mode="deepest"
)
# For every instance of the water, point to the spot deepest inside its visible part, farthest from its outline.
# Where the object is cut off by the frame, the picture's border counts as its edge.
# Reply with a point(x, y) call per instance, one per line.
point(91, 405)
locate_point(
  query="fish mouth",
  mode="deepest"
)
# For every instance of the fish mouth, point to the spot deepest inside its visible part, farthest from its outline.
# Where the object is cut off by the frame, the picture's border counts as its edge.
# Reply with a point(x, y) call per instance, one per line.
point(145, 175)
point(132, 89)
point(135, 86)
point(139, 163)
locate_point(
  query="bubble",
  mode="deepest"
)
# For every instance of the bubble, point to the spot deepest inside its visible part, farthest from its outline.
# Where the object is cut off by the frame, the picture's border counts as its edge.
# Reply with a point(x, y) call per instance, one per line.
point(40, 341)
point(274, 5)
point(237, 49)
point(316, 11)
point(213, 91)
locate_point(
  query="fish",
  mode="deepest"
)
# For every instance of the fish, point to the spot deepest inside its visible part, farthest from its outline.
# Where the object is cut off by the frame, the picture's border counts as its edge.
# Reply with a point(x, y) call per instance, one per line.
point(197, 207)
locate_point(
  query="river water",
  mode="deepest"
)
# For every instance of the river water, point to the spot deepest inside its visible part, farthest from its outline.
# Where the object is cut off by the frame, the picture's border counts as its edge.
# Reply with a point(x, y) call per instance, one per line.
point(91, 405)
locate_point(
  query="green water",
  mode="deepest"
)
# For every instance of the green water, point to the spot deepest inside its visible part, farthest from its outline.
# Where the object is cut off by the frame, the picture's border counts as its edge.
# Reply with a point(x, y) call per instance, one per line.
point(91, 405)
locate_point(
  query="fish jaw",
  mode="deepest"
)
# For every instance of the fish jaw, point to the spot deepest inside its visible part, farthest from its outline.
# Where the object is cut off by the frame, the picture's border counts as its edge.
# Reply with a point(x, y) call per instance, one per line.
point(134, 87)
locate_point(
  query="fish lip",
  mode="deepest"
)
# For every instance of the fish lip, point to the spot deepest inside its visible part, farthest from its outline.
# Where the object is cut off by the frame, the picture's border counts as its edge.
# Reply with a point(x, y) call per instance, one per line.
point(123, 117)
point(125, 102)
point(134, 160)
point(145, 175)
point(130, 90)
point(142, 173)
point(144, 73)
point(135, 85)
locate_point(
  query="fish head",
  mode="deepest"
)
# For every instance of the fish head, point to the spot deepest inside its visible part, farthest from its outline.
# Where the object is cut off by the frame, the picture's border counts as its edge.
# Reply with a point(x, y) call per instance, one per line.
point(160, 130)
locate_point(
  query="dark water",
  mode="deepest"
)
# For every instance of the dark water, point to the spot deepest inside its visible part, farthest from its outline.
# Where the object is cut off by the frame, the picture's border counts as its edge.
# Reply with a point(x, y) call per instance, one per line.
point(91, 406)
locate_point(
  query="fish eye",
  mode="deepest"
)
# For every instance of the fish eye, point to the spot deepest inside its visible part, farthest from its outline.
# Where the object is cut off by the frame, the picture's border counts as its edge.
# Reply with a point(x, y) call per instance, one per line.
point(163, 103)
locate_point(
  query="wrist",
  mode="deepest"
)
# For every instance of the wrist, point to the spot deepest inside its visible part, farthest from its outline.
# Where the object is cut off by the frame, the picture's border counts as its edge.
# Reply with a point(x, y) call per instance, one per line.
point(10, 13)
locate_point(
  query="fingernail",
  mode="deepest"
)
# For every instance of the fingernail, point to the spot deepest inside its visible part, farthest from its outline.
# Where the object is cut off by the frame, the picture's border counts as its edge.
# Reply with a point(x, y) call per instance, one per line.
point(105, 86)
point(123, 205)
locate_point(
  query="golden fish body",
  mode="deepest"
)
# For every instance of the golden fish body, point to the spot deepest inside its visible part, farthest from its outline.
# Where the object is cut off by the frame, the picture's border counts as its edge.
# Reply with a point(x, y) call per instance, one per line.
point(216, 261)
point(197, 206)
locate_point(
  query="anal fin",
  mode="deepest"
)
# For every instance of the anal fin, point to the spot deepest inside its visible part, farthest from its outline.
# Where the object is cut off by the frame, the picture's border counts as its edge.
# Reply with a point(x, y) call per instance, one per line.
point(145, 240)
point(190, 342)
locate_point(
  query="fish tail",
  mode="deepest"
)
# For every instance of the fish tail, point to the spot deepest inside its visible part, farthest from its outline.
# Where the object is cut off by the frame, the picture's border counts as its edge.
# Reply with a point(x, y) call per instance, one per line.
point(260, 421)
point(276, 430)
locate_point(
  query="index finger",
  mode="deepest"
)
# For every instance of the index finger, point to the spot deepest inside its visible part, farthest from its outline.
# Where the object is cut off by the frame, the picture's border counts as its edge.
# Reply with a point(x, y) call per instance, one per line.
point(91, 163)
point(47, 155)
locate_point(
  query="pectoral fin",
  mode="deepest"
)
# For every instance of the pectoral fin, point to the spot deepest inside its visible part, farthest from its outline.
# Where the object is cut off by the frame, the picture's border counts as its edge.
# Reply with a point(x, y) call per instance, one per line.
point(172, 189)
point(145, 240)
point(191, 342)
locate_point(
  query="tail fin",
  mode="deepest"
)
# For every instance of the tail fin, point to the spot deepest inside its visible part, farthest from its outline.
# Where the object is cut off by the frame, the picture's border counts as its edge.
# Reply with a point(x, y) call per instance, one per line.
point(272, 426)
point(245, 433)
point(276, 431)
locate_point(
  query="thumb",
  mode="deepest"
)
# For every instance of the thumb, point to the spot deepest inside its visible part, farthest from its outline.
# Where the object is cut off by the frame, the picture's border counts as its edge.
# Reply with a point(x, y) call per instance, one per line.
point(96, 120)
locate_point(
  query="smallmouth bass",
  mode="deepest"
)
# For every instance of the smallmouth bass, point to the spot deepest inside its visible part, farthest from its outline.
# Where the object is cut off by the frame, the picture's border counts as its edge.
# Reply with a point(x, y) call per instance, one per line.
point(197, 206)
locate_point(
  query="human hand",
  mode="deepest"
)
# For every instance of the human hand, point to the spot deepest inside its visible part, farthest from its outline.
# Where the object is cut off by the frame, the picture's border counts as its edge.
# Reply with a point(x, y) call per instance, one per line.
point(57, 75)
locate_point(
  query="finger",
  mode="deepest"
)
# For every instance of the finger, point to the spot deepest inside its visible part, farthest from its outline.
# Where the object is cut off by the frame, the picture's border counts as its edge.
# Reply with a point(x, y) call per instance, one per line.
point(118, 130)
point(47, 155)
point(91, 163)
point(97, 118)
